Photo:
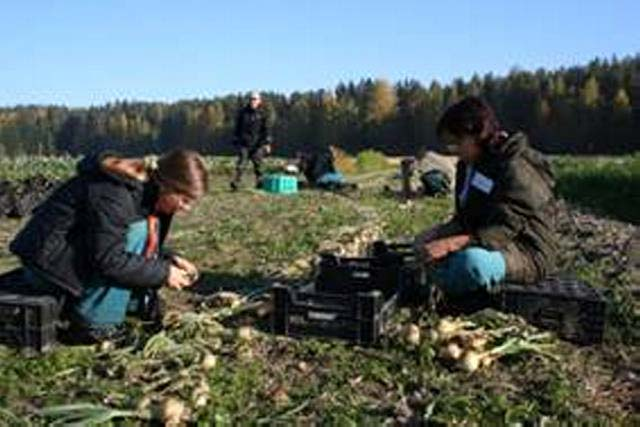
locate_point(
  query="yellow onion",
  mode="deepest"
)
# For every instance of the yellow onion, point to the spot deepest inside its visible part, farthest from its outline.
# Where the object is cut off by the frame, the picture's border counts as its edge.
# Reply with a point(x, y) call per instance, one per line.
point(201, 401)
point(303, 367)
point(412, 334)
point(245, 333)
point(452, 351)
point(200, 395)
point(172, 411)
point(471, 361)
point(106, 346)
point(478, 342)
point(446, 327)
point(209, 361)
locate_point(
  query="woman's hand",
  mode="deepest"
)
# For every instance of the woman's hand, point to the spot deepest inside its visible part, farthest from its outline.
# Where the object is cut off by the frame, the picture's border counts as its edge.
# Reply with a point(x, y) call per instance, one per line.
point(437, 250)
point(187, 266)
point(178, 278)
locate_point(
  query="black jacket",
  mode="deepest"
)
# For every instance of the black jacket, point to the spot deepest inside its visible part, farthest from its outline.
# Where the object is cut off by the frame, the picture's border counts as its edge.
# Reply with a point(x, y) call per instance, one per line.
point(251, 128)
point(78, 233)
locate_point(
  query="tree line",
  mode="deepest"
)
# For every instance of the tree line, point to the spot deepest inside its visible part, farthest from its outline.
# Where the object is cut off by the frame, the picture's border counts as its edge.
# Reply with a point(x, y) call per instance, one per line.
point(587, 109)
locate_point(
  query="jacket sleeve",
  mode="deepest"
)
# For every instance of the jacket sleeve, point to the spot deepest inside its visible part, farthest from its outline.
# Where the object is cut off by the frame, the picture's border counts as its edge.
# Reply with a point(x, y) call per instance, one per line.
point(519, 195)
point(237, 132)
point(109, 210)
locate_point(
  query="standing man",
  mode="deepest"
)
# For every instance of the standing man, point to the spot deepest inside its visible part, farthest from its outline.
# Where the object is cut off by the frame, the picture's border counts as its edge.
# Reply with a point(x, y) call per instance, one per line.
point(251, 137)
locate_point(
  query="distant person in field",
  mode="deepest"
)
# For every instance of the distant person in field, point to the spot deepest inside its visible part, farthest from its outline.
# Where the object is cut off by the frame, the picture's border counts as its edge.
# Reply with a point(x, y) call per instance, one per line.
point(251, 138)
point(96, 243)
point(502, 227)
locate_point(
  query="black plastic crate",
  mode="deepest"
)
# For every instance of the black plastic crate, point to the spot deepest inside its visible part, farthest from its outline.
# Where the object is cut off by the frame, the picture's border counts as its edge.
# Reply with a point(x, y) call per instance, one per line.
point(390, 268)
point(358, 317)
point(26, 321)
point(393, 252)
point(346, 275)
point(413, 285)
point(572, 308)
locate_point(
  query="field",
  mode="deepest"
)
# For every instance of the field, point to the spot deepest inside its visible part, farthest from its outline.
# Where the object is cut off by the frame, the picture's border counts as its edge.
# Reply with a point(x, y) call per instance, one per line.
point(223, 371)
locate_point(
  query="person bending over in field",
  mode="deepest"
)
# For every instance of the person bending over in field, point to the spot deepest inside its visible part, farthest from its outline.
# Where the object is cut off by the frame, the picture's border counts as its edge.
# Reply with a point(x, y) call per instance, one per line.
point(502, 227)
point(96, 242)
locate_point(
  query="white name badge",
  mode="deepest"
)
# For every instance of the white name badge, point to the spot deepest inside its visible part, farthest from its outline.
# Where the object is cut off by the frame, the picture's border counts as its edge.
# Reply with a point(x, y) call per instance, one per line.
point(482, 182)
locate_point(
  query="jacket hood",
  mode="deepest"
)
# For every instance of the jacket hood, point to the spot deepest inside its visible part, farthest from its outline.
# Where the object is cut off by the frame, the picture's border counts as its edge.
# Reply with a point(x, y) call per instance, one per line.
point(517, 145)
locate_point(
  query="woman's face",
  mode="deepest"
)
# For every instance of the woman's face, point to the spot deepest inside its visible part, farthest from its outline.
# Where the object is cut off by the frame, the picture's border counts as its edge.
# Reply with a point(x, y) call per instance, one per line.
point(464, 146)
point(171, 202)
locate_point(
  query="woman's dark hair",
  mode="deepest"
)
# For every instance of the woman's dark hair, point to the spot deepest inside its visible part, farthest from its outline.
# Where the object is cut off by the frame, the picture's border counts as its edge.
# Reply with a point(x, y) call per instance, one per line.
point(183, 171)
point(471, 116)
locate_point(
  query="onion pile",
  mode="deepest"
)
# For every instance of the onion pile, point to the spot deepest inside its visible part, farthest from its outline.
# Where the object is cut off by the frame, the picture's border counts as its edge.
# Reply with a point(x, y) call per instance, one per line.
point(461, 345)
point(466, 346)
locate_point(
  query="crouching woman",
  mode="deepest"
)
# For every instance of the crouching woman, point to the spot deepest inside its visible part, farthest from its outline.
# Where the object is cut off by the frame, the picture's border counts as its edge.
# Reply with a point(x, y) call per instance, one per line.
point(95, 243)
point(502, 227)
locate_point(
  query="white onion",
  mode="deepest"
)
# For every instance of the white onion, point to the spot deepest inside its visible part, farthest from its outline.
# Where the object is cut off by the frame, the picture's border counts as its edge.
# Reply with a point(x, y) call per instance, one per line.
point(172, 411)
point(245, 333)
point(209, 361)
point(412, 334)
point(471, 361)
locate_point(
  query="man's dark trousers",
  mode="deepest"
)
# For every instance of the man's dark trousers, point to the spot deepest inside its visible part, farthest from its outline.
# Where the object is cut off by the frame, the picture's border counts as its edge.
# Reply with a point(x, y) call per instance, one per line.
point(255, 155)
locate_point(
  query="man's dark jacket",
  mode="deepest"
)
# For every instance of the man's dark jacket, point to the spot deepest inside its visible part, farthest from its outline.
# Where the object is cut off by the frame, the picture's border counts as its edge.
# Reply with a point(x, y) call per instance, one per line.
point(251, 129)
point(79, 232)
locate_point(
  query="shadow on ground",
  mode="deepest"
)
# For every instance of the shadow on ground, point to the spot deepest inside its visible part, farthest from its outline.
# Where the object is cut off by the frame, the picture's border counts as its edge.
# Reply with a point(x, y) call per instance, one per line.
point(252, 283)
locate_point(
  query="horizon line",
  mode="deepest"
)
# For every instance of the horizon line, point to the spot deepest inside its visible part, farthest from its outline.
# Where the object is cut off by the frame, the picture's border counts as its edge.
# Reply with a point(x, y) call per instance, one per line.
point(240, 93)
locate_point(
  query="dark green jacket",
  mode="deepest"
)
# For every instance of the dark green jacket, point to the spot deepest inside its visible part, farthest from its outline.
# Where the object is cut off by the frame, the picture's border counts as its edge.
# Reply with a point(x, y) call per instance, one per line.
point(509, 207)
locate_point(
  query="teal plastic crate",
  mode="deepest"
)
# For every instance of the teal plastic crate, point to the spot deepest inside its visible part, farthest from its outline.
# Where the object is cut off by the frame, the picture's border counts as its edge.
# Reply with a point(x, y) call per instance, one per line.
point(280, 184)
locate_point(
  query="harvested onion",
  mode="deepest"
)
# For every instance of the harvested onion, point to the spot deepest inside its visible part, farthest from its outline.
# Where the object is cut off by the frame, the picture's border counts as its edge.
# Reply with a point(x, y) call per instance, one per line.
point(172, 411)
point(471, 361)
point(446, 327)
point(245, 333)
point(200, 395)
point(412, 334)
point(478, 342)
point(451, 351)
point(209, 361)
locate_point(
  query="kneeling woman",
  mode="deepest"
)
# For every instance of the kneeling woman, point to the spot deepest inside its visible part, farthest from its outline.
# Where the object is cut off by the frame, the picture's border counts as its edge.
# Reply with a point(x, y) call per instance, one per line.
point(95, 243)
point(502, 227)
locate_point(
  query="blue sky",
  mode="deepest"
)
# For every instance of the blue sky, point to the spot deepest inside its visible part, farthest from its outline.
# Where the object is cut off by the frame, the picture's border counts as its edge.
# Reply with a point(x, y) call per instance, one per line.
point(88, 52)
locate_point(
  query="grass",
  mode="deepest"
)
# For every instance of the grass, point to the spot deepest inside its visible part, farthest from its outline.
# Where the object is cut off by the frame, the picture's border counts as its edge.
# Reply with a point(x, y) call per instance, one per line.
point(606, 185)
point(243, 241)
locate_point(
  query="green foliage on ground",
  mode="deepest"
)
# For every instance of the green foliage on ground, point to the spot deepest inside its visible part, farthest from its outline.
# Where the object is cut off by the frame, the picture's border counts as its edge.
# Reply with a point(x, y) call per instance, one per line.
point(371, 160)
point(241, 241)
point(606, 185)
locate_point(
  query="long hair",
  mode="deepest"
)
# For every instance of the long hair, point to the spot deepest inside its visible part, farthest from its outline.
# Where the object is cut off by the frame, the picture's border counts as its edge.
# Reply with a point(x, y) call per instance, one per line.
point(183, 171)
